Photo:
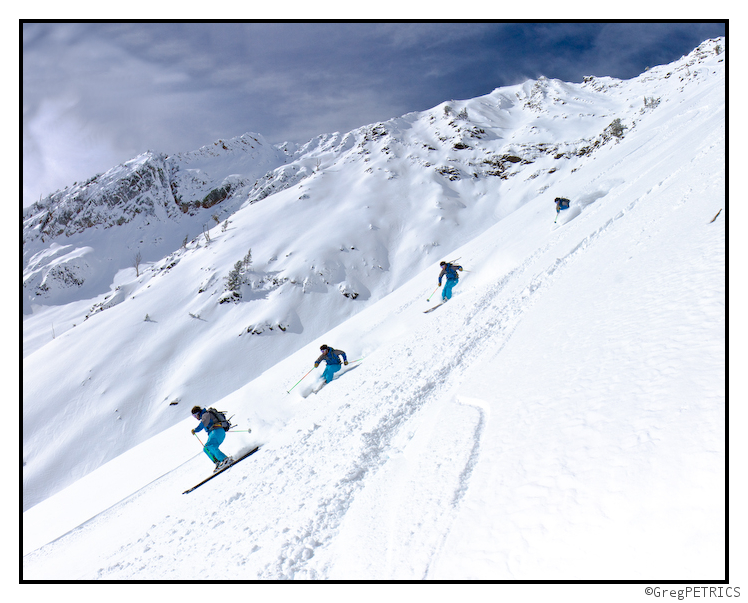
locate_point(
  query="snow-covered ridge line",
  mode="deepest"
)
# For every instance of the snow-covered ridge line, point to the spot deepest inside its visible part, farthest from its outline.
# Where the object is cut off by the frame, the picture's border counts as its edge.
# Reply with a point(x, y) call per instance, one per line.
point(160, 188)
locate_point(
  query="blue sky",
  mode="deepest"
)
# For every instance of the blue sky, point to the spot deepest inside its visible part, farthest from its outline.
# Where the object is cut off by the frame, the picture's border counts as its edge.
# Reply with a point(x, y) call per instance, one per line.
point(95, 95)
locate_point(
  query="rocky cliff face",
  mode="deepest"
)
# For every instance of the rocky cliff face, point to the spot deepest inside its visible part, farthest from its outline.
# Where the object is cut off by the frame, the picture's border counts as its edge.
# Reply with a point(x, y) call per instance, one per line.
point(147, 208)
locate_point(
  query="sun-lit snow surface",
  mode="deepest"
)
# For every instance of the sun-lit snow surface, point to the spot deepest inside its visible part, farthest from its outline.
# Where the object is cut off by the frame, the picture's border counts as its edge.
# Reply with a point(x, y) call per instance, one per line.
point(562, 417)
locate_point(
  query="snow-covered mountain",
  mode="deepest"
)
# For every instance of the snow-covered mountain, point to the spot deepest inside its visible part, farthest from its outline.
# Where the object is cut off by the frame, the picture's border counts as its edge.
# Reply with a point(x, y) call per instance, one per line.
point(563, 384)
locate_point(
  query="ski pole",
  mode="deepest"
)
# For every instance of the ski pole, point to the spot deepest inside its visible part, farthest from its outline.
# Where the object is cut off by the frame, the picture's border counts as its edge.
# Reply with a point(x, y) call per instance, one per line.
point(239, 431)
point(212, 458)
point(299, 381)
point(432, 295)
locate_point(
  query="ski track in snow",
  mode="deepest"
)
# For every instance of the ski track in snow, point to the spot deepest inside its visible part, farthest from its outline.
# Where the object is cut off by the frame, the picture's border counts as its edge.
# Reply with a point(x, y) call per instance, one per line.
point(479, 331)
point(400, 399)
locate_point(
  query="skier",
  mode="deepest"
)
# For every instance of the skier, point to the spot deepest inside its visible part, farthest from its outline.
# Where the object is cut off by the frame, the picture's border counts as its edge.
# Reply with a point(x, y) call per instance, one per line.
point(450, 271)
point(216, 435)
point(561, 203)
point(331, 357)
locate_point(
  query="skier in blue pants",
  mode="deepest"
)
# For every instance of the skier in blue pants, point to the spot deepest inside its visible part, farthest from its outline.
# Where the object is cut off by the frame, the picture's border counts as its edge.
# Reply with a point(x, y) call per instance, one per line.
point(561, 204)
point(332, 361)
point(216, 435)
point(449, 271)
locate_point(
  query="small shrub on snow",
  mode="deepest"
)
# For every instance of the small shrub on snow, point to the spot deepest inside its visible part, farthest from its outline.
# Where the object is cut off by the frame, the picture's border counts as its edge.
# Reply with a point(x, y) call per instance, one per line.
point(616, 128)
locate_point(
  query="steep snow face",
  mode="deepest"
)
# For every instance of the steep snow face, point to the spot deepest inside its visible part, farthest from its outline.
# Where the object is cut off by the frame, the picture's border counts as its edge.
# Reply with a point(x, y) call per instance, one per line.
point(315, 235)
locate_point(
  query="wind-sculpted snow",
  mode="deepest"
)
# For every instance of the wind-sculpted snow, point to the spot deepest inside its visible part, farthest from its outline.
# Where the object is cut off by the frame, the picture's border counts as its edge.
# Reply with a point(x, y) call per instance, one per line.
point(561, 417)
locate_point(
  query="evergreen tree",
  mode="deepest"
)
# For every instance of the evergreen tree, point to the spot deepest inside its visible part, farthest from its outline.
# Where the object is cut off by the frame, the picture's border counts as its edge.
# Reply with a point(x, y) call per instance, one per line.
point(235, 279)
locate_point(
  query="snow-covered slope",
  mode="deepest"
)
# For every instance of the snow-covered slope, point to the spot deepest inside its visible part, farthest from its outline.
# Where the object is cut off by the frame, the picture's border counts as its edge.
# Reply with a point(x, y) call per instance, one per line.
point(566, 403)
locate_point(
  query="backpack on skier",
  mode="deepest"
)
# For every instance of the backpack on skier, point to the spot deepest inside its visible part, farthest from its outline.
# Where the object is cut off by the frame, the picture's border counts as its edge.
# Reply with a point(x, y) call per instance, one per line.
point(219, 419)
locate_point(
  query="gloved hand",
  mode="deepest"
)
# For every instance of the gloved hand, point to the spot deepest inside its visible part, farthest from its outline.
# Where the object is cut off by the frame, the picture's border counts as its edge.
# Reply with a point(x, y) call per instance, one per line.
point(440, 284)
point(346, 363)
point(460, 269)
point(316, 364)
point(193, 432)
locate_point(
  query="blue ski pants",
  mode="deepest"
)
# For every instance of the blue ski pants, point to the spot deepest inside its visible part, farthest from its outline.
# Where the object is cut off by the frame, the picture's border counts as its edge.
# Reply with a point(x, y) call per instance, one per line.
point(447, 293)
point(215, 439)
point(330, 370)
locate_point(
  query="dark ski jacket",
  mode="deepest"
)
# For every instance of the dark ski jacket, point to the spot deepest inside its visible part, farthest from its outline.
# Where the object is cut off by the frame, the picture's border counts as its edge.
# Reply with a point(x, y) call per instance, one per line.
point(331, 356)
point(450, 271)
point(561, 203)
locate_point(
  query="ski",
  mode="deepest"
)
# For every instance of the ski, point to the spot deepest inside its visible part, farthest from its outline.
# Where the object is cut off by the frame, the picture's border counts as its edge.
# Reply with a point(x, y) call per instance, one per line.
point(207, 479)
point(434, 308)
